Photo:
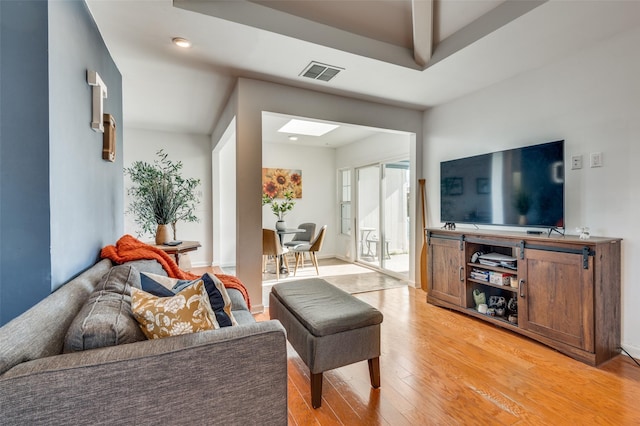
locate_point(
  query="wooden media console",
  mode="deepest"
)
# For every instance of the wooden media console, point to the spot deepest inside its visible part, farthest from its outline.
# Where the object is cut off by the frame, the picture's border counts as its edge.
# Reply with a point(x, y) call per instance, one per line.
point(567, 290)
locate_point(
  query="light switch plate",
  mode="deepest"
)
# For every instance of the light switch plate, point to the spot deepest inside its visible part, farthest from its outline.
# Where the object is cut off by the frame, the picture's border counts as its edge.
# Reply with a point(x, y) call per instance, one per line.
point(596, 159)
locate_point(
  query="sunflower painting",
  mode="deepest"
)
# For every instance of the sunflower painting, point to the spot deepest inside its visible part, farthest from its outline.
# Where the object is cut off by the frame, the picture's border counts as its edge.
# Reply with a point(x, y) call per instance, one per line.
point(275, 182)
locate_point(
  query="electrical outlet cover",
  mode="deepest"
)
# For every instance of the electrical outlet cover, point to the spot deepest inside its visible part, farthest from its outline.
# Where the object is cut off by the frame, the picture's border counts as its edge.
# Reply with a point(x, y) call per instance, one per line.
point(576, 162)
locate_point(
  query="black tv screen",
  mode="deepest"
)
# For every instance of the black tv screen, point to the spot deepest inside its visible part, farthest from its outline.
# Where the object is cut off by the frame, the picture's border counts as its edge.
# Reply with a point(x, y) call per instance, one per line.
point(516, 187)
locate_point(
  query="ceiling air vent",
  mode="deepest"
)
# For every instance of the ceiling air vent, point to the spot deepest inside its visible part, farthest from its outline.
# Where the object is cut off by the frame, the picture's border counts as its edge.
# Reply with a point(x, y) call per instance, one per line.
point(318, 71)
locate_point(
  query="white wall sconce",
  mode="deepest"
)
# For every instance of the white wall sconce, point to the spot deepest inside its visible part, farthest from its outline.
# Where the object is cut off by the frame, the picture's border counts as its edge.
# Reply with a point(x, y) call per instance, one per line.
point(99, 93)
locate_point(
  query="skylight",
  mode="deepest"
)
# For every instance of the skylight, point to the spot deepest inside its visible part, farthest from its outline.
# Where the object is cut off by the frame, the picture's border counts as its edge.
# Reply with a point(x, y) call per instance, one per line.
point(308, 128)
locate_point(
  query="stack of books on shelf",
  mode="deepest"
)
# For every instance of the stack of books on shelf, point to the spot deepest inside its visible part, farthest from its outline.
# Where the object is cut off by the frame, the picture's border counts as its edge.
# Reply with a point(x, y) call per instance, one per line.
point(480, 275)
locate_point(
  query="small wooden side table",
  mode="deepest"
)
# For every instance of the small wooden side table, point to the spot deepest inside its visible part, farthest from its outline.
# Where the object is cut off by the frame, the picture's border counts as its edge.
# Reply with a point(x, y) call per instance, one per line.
point(184, 247)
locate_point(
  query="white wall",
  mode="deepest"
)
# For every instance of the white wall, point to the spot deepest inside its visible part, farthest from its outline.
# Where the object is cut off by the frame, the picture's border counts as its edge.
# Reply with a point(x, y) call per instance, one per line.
point(591, 100)
point(195, 154)
point(385, 146)
point(224, 200)
point(318, 203)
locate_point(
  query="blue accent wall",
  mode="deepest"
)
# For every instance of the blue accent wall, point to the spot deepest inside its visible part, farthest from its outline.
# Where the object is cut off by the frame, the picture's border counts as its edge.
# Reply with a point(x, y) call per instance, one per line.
point(25, 261)
point(87, 200)
point(59, 201)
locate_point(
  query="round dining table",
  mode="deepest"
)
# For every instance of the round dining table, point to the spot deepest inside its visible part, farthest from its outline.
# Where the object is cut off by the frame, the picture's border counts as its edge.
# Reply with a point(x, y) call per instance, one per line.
point(281, 234)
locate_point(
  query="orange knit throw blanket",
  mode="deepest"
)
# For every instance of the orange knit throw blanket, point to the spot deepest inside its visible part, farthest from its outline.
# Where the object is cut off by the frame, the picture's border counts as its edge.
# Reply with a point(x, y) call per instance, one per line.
point(128, 248)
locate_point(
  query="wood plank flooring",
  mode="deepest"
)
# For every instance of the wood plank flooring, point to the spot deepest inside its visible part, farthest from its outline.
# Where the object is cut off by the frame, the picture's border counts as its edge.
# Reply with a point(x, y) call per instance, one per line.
point(440, 367)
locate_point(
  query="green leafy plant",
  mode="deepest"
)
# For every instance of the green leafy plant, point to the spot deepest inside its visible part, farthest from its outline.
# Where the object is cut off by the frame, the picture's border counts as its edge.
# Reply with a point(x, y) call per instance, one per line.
point(160, 195)
point(280, 208)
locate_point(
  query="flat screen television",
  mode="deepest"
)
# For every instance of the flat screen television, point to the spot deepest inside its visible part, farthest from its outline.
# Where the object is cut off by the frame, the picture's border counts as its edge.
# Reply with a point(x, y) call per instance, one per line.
point(516, 187)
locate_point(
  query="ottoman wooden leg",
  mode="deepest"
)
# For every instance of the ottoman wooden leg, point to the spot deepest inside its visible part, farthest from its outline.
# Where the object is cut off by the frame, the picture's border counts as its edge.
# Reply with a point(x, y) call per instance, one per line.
point(374, 372)
point(316, 390)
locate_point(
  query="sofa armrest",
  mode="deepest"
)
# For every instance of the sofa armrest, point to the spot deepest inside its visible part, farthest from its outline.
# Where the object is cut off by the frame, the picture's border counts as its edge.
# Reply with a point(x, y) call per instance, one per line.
point(235, 375)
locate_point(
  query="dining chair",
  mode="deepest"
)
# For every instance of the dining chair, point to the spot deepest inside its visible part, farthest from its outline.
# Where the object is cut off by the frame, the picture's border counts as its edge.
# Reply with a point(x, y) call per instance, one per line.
point(312, 248)
point(304, 237)
point(271, 247)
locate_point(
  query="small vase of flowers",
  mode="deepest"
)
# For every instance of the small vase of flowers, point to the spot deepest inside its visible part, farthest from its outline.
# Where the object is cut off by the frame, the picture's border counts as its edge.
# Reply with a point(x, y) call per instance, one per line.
point(280, 208)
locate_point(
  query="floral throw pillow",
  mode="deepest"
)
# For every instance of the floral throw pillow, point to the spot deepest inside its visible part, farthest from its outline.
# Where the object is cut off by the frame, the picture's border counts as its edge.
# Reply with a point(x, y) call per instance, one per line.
point(189, 311)
point(163, 286)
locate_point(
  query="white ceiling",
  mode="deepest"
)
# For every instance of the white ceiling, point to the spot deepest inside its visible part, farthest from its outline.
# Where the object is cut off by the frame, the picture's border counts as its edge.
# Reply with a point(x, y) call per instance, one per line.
point(171, 89)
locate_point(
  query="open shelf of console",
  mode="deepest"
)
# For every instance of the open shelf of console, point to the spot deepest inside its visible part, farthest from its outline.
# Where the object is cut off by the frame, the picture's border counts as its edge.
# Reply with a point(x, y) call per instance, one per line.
point(495, 320)
point(488, 284)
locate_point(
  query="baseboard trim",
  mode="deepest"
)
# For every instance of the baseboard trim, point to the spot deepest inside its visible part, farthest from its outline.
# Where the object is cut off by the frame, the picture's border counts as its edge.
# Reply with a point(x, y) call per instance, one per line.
point(634, 351)
point(257, 309)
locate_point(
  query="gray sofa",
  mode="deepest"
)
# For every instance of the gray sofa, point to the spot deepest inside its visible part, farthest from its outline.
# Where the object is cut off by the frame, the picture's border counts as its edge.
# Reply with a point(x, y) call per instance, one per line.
point(233, 375)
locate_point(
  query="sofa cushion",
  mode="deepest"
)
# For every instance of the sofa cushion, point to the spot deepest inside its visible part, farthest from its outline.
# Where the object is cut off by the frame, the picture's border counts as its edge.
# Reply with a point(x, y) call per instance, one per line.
point(189, 311)
point(39, 332)
point(220, 301)
point(106, 318)
point(147, 265)
point(237, 300)
point(243, 317)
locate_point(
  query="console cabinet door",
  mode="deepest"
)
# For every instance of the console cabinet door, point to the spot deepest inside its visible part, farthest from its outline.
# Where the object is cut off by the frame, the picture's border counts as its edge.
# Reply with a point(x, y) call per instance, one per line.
point(446, 270)
point(556, 297)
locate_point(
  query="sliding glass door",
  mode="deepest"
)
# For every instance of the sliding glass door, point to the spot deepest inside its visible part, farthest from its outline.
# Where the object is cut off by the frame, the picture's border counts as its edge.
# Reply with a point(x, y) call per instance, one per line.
point(368, 205)
point(383, 223)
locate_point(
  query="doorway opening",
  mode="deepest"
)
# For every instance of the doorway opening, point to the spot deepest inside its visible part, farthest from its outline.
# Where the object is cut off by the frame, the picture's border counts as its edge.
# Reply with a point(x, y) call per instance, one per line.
point(327, 165)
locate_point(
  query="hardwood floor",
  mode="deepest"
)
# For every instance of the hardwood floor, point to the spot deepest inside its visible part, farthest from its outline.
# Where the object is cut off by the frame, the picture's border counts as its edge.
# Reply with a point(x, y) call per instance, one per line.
point(440, 367)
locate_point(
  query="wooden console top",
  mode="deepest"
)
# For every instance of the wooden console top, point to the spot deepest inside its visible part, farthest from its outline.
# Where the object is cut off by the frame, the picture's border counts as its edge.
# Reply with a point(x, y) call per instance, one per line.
point(554, 237)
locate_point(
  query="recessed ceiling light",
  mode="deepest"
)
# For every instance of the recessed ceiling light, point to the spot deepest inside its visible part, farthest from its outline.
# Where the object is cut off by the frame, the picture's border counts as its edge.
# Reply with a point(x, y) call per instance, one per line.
point(309, 128)
point(293, 138)
point(181, 42)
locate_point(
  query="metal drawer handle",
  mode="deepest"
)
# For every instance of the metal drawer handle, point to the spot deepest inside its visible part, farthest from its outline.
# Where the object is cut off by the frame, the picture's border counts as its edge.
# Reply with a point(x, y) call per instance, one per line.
point(521, 285)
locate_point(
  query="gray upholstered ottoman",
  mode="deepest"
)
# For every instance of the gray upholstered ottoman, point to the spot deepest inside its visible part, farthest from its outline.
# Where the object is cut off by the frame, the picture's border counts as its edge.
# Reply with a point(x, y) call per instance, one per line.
point(328, 327)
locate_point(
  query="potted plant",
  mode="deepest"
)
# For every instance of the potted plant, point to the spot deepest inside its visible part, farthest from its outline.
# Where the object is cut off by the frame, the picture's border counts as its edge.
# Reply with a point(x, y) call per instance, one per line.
point(160, 196)
point(280, 208)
